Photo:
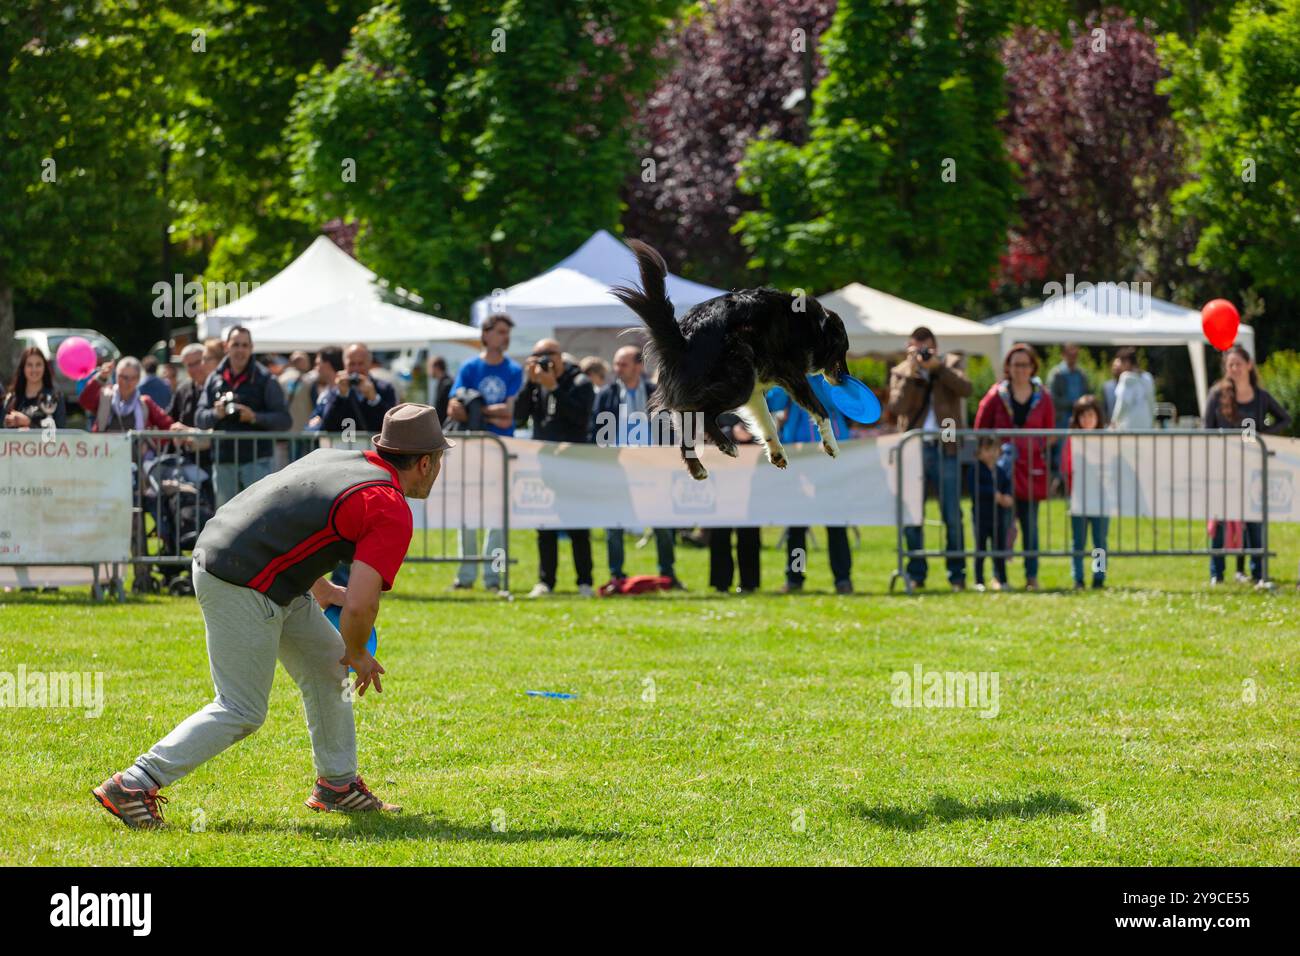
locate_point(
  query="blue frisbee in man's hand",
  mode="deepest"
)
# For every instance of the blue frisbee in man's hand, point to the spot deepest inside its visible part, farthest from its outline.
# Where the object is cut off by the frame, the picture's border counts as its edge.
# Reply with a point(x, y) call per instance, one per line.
point(851, 397)
point(334, 614)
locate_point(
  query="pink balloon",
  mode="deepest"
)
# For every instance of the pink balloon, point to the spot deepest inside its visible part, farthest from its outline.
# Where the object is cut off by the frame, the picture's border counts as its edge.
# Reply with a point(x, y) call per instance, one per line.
point(76, 357)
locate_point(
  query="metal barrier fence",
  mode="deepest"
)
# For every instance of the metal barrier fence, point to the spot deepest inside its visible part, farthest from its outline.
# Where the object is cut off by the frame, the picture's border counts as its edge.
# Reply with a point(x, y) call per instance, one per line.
point(1184, 497)
point(181, 478)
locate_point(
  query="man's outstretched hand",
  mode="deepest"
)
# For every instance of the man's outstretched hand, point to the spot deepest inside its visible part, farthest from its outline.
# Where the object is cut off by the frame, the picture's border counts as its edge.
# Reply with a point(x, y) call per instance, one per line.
point(360, 607)
point(368, 670)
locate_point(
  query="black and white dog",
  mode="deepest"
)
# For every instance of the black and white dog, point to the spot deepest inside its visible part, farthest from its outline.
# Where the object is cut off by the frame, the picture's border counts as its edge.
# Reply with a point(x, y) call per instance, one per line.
point(728, 351)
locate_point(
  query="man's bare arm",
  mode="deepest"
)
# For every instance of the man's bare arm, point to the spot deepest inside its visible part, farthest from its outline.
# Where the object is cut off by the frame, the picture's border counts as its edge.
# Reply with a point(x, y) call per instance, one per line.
point(360, 608)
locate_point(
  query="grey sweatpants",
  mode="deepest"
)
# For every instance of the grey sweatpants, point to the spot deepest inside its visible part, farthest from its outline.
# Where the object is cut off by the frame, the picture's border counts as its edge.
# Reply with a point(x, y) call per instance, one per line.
point(246, 632)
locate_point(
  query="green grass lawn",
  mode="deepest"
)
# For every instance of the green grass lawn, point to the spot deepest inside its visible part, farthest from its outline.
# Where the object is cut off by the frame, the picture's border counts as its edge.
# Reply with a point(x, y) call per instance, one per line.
point(709, 728)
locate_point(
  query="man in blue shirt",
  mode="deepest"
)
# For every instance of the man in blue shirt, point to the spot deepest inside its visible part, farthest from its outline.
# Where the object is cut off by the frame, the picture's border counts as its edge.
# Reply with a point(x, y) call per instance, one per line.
point(493, 376)
point(796, 426)
point(483, 396)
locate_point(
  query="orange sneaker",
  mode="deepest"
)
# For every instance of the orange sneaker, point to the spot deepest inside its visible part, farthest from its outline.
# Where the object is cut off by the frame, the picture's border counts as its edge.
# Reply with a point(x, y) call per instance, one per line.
point(136, 808)
point(354, 798)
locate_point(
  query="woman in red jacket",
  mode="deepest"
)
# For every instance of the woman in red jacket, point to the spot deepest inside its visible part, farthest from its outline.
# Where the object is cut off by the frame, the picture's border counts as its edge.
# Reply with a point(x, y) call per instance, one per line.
point(1018, 401)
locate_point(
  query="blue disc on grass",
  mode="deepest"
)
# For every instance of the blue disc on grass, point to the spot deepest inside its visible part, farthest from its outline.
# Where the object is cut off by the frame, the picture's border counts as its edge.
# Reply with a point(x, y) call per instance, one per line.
point(334, 613)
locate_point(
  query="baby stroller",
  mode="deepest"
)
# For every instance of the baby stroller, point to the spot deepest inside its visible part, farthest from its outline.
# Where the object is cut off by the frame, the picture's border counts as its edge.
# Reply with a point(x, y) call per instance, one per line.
point(179, 496)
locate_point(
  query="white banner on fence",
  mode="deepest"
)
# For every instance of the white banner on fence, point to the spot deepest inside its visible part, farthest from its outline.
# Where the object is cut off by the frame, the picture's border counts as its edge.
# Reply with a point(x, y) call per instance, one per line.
point(1193, 476)
point(587, 486)
point(64, 501)
point(1283, 479)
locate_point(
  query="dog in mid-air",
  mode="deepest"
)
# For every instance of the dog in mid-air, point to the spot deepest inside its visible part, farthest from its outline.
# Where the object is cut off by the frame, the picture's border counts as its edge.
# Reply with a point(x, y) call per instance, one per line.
point(726, 352)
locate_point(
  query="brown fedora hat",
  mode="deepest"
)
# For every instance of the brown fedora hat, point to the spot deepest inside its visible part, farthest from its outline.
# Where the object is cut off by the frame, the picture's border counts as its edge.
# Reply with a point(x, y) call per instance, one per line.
point(411, 429)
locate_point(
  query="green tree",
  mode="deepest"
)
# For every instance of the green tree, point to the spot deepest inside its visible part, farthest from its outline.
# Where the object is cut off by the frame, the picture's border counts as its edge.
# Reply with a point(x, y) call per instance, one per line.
point(904, 182)
point(228, 161)
point(1237, 99)
point(1185, 17)
point(474, 142)
point(79, 180)
point(1280, 374)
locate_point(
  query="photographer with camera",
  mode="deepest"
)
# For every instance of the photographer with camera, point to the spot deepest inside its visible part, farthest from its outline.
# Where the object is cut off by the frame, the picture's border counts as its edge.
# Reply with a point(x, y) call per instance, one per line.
point(558, 399)
point(329, 414)
point(370, 395)
point(928, 390)
point(241, 396)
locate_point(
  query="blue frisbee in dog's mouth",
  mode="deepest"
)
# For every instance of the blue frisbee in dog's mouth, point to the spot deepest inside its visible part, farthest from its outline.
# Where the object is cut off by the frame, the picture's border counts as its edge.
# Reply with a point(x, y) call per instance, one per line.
point(851, 397)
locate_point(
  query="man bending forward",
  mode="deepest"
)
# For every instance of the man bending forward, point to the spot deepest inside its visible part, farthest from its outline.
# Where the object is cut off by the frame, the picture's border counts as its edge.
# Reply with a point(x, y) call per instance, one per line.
point(260, 576)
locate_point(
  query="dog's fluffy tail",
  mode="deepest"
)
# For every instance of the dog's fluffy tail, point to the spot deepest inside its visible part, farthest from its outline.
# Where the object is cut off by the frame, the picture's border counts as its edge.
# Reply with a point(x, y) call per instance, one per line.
point(651, 301)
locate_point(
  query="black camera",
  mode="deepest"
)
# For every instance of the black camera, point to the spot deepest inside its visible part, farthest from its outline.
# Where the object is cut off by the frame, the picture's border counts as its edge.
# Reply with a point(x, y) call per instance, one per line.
point(925, 354)
point(229, 399)
point(354, 380)
point(544, 362)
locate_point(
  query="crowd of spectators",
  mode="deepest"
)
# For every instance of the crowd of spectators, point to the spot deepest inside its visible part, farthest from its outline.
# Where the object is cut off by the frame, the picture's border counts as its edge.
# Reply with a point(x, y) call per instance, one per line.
point(220, 386)
point(1012, 478)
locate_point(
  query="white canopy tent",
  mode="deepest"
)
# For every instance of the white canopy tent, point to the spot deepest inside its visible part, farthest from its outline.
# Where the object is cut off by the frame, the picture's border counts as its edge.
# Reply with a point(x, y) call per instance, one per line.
point(575, 292)
point(381, 326)
point(879, 322)
point(1113, 314)
point(325, 297)
point(572, 303)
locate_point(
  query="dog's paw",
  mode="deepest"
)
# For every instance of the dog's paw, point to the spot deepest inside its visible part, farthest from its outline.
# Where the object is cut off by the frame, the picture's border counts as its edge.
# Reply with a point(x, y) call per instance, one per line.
point(776, 455)
point(729, 449)
point(697, 469)
point(831, 449)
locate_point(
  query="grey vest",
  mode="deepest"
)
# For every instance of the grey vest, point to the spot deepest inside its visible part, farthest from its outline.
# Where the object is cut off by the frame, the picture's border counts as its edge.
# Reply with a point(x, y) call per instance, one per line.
point(278, 536)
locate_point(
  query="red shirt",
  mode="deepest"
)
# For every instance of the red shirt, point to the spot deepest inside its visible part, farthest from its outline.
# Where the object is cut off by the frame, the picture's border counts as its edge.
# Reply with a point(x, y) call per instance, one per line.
point(379, 520)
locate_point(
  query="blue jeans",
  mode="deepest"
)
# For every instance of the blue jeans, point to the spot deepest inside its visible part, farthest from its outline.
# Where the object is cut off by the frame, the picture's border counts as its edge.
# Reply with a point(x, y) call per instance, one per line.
point(944, 472)
point(1079, 525)
point(663, 546)
point(1252, 536)
point(1027, 516)
point(468, 570)
point(229, 478)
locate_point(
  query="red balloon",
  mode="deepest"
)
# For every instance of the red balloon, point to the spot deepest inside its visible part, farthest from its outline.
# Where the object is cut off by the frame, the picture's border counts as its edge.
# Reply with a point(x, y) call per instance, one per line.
point(1220, 321)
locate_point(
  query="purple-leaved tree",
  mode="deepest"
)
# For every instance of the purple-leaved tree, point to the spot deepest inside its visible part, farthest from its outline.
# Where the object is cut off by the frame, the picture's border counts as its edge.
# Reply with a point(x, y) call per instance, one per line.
point(1098, 153)
point(739, 66)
